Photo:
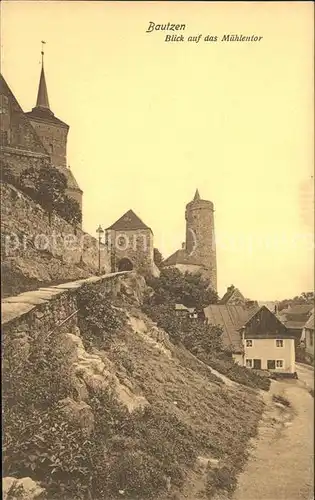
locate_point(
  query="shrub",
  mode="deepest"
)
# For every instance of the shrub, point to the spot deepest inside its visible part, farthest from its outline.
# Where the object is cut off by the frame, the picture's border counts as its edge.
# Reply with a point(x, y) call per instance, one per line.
point(47, 186)
point(195, 335)
point(238, 373)
point(38, 441)
point(189, 289)
point(98, 319)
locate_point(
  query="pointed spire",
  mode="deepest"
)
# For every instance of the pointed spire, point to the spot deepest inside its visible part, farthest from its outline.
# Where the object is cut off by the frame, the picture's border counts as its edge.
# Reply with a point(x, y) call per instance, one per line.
point(42, 95)
point(197, 195)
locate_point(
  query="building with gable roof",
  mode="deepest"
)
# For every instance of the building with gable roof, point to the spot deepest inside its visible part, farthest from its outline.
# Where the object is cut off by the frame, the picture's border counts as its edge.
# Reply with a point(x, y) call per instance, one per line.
point(267, 343)
point(130, 243)
point(294, 317)
point(233, 296)
point(230, 318)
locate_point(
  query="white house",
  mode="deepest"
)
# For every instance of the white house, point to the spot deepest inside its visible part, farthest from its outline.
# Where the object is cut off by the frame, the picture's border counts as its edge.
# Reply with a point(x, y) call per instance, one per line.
point(267, 344)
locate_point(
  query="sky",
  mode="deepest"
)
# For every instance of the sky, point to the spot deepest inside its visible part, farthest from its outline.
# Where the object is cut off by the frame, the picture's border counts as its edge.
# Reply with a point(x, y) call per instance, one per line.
point(151, 121)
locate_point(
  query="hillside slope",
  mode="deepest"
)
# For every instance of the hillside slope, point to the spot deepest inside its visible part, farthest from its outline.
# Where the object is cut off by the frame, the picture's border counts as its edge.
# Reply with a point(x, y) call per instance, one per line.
point(128, 414)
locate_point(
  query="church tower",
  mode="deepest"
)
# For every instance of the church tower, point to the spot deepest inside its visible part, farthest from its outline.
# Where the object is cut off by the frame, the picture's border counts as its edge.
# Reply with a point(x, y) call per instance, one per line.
point(200, 236)
point(53, 133)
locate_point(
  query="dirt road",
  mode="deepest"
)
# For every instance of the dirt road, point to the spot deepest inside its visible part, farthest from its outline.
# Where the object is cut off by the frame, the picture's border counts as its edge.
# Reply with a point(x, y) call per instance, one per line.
point(281, 466)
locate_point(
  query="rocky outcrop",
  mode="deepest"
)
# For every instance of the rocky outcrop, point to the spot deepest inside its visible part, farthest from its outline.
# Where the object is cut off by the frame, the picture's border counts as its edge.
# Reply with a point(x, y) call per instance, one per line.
point(22, 489)
point(78, 412)
point(96, 372)
point(150, 332)
point(133, 286)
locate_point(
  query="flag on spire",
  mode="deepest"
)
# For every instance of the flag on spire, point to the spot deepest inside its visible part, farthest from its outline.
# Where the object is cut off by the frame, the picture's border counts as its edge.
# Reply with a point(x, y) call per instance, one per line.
point(42, 95)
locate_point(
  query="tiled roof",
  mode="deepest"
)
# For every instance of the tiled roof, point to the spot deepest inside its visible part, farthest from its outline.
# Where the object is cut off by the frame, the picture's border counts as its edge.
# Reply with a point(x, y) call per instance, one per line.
point(293, 325)
point(296, 316)
point(229, 294)
point(128, 222)
point(231, 318)
point(297, 309)
point(44, 114)
point(180, 257)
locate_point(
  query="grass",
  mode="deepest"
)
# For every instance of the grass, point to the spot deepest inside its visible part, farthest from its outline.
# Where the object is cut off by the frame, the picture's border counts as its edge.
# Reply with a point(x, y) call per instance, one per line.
point(213, 420)
point(238, 373)
point(190, 413)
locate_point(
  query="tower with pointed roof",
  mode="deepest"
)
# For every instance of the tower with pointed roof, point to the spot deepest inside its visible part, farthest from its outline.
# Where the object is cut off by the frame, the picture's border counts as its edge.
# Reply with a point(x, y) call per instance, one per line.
point(130, 242)
point(199, 252)
point(53, 133)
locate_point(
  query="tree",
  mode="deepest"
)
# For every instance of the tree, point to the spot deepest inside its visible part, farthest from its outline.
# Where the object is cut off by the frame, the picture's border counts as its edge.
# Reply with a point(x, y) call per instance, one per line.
point(47, 186)
point(172, 286)
point(69, 209)
point(197, 336)
point(304, 298)
point(157, 257)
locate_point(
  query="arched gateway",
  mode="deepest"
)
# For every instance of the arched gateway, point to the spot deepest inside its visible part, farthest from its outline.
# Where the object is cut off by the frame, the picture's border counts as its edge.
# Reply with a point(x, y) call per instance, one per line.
point(125, 265)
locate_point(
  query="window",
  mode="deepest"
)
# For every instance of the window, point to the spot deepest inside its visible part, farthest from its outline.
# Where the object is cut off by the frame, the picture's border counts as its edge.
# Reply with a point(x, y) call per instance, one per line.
point(279, 363)
point(311, 339)
point(249, 343)
point(279, 343)
point(271, 364)
point(249, 363)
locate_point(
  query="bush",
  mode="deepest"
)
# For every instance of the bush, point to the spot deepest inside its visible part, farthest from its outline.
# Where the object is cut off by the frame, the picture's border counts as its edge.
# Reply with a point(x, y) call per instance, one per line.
point(38, 442)
point(172, 287)
point(205, 342)
point(98, 319)
point(238, 373)
point(193, 334)
point(47, 186)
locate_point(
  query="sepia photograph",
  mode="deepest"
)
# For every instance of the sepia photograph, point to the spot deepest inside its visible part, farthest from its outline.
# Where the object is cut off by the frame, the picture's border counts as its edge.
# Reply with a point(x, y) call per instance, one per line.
point(157, 250)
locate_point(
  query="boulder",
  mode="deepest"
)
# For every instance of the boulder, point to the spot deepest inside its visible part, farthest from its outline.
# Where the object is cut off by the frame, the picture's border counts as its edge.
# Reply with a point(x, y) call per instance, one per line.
point(97, 372)
point(78, 412)
point(22, 489)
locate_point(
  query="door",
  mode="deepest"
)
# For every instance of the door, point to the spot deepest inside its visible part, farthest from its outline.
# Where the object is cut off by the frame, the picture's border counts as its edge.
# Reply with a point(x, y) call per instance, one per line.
point(257, 364)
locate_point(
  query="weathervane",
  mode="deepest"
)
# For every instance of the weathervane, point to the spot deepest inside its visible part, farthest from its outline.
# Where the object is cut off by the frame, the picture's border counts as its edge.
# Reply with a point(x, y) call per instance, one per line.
point(42, 52)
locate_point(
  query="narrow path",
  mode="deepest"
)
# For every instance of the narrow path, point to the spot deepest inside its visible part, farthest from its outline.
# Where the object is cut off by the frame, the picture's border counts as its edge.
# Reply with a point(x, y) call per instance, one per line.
point(281, 466)
point(306, 374)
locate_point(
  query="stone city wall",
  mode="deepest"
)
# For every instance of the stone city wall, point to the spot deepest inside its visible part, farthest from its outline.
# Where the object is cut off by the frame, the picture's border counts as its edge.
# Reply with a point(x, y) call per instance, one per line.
point(26, 229)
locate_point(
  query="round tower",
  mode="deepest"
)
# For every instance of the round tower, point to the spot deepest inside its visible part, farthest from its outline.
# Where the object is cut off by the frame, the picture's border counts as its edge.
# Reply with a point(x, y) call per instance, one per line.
point(200, 236)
